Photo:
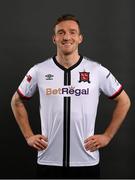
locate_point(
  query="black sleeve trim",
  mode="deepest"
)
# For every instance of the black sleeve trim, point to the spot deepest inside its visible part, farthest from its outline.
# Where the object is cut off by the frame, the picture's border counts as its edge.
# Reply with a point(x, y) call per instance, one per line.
point(117, 93)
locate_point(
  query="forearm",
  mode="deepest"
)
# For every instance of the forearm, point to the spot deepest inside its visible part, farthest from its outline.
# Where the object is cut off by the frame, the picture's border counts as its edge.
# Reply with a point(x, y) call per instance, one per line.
point(21, 116)
point(97, 141)
point(119, 114)
point(39, 142)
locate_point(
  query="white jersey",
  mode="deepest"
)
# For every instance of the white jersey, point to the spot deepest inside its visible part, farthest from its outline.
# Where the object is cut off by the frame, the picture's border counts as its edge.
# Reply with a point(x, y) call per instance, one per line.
point(68, 107)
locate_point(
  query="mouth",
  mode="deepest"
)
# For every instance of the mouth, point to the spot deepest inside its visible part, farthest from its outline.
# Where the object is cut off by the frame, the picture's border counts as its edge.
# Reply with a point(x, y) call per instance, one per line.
point(66, 44)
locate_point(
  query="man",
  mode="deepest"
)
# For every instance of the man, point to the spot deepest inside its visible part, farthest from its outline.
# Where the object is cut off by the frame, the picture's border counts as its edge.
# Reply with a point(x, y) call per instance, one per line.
point(69, 87)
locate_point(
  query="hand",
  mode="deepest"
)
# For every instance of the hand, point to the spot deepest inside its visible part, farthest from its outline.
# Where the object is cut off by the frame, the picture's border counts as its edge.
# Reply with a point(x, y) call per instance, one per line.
point(95, 142)
point(39, 142)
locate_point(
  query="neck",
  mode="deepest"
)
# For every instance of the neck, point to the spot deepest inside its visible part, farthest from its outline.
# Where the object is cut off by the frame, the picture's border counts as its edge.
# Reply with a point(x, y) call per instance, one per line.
point(67, 60)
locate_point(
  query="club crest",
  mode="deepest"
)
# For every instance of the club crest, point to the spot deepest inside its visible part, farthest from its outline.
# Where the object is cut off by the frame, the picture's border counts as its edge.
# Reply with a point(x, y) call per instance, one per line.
point(84, 76)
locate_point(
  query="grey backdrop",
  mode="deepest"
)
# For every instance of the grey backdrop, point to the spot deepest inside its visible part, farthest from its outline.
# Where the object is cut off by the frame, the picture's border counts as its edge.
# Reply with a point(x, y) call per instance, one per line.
point(25, 39)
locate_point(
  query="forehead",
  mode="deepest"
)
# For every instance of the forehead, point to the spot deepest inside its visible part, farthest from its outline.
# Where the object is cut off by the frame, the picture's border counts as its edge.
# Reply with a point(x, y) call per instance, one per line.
point(67, 25)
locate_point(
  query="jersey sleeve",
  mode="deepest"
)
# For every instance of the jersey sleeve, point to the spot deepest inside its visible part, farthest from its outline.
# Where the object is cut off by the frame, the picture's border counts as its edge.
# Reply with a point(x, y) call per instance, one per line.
point(29, 84)
point(109, 85)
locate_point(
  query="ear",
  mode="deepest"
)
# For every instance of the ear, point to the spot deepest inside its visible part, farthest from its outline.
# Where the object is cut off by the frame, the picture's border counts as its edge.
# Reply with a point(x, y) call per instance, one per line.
point(53, 39)
point(81, 39)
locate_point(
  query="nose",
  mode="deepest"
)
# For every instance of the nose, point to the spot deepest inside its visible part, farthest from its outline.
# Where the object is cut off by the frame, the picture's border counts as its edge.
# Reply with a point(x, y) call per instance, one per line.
point(66, 36)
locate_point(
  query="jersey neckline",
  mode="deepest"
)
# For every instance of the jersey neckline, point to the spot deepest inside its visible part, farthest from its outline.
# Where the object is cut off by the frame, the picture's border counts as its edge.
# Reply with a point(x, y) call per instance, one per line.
point(70, 68)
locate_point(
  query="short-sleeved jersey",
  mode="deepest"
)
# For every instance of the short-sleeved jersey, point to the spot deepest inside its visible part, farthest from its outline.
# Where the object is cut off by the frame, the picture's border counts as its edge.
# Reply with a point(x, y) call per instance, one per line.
point(68, 107)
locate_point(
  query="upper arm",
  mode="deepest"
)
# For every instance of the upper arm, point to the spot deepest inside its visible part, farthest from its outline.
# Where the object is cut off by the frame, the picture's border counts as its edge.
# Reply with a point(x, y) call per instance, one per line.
point(16, 99)
point(28, 85)
point(123, 97)
point(108, 84)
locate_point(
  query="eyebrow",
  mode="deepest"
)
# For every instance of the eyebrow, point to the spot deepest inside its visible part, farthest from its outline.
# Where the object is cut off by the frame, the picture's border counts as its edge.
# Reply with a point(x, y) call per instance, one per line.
point(69, 30)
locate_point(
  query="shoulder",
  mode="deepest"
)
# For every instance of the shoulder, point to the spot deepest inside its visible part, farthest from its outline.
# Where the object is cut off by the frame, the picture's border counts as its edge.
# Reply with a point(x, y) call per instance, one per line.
point(91, 63)
point(45, 62)
point(42, 66)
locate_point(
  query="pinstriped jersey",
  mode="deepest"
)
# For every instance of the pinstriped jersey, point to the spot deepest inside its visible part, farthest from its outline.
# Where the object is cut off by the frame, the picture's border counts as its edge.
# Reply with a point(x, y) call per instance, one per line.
point(68, 106)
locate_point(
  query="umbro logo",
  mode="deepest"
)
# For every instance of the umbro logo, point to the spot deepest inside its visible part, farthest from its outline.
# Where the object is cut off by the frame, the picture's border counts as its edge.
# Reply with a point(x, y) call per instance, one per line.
point(49, 77)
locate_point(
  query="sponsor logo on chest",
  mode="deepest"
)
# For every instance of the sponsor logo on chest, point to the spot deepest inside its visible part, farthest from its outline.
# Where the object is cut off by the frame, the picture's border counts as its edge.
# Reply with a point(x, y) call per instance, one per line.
point(67, 91)
point(84, 77)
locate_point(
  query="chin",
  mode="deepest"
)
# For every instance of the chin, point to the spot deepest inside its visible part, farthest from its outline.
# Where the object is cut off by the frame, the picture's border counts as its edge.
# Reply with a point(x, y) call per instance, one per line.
point(67, 53)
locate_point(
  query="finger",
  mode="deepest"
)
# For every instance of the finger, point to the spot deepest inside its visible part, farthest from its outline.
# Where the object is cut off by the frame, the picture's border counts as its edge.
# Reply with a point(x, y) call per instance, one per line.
point(37, 147)
point(41, 138)
point(44, 138)
point(88, 146)
point(94, 148)
point(43, 143)
point(91, 144)
point(40, 145)
point(91, 138)
point(86, 140)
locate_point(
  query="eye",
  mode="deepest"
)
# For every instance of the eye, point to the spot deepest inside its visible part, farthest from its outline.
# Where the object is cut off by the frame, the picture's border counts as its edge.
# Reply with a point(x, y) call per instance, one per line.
point(73, 32)
point(60, 32)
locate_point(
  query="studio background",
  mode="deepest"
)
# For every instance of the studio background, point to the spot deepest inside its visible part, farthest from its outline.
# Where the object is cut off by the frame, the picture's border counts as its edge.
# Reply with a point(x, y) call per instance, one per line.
point(25, 39)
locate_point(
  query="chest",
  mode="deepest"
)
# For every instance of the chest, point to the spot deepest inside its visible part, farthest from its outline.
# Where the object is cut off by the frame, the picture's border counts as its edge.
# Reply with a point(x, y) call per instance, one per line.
point(76, 82)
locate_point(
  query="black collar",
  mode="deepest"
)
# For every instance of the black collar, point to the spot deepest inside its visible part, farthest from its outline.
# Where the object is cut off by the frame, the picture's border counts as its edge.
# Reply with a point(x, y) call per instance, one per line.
point(70, 68)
